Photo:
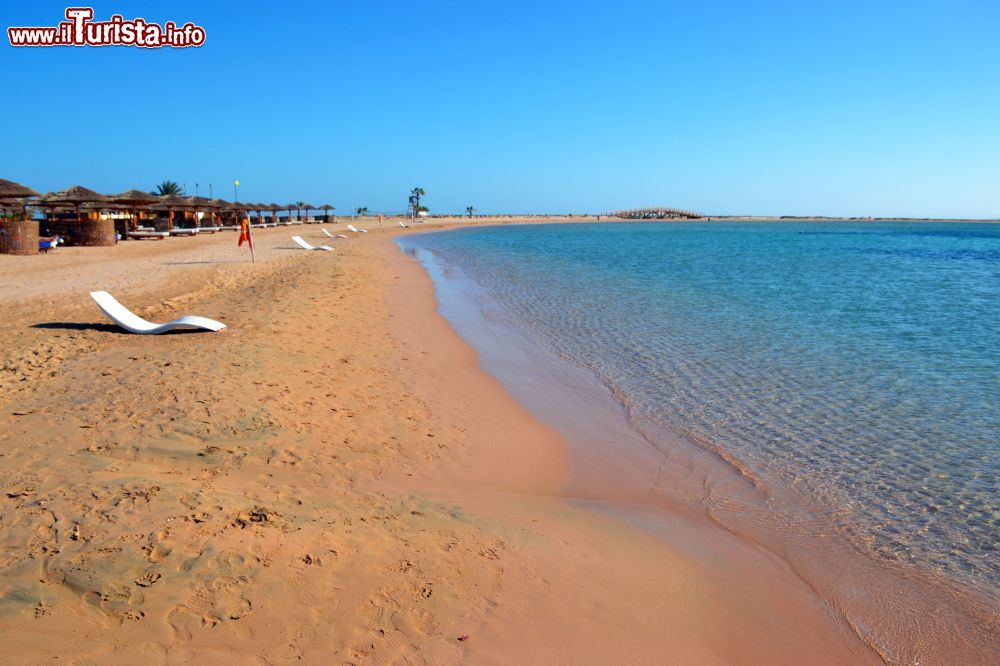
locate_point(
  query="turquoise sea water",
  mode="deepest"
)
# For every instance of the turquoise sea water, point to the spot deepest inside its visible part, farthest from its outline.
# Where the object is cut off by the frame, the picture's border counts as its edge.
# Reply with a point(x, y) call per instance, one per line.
point(858, 363)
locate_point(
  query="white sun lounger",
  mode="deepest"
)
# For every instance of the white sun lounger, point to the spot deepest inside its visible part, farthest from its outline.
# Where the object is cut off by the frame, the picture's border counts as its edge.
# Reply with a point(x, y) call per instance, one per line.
point(405, 226)
point(306, 246)
point(154, 235)
point(133, 323)
point(333, 235)
point(357, 231)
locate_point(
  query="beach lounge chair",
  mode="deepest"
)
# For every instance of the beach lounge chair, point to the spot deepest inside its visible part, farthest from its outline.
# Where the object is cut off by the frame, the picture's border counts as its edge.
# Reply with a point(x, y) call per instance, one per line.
point(150, 235)
point(405, 226)
point(133, 323)
point(333, 235)
point(306, 246)
point(183, 232)
point(357, 231)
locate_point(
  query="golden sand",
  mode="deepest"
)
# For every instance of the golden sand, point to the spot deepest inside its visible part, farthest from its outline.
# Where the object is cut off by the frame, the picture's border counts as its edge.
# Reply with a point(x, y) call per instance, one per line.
point(331, 479)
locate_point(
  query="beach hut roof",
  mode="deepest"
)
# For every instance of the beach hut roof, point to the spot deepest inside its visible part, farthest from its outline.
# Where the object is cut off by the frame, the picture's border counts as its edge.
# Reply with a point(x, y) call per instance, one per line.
point(135, 197)
point(48, 200)
point(306, 206)
point(173, 201)
point(201, 202)
point(327, 207)
point(11, 203)
point(110, 204)
point(76, 195)
point(219, 203)
point(10, 189)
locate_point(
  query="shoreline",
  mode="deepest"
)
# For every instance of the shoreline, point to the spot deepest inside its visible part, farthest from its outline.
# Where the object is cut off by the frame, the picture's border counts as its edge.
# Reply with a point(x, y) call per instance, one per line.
point(334, 469)
point(692, 542)
point(625, 470)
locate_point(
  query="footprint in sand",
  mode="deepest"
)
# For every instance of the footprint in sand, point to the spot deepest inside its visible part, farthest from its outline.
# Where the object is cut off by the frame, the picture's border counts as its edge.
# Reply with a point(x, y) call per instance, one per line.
point(188, 556)
point(155, 652)
point(177, 619)
point(148, 579)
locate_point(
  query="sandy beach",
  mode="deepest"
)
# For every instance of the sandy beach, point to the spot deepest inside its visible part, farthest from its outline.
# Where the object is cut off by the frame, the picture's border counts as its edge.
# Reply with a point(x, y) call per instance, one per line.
point(331, 479)
point(684, 352)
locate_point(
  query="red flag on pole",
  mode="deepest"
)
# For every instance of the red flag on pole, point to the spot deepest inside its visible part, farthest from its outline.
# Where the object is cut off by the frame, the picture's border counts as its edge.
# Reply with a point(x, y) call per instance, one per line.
point(246, 236)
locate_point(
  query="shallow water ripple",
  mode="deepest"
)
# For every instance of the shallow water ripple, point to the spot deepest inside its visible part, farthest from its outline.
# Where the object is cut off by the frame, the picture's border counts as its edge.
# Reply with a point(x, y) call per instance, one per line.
point(858, 363)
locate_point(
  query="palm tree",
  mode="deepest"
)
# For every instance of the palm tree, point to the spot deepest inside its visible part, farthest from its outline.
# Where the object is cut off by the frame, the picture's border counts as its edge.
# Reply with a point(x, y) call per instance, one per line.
point(168, 187)
point(415, 199)
point(470, 210)
point(362, 211)
point(298, 209)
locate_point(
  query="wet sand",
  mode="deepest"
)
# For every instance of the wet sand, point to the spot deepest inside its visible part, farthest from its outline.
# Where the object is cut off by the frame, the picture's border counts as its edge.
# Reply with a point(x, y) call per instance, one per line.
point(332, 479)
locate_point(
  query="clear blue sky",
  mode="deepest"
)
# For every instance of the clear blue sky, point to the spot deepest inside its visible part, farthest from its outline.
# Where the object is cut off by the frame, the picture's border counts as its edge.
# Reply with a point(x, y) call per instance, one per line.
point(846, 107)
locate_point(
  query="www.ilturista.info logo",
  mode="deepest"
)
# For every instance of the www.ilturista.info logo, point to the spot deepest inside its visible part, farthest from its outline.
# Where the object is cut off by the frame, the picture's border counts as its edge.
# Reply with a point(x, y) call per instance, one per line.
point(80, 30)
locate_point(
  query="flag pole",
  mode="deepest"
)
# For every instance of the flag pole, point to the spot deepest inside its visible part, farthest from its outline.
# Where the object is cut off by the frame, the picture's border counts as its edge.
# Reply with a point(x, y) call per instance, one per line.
point(246, 222)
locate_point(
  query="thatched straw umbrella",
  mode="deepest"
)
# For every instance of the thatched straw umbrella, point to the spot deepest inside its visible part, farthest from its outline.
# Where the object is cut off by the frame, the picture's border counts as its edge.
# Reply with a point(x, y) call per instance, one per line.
point(249, 208)
point(326, 208)
point(15, 195)
point(134, 200)
point(218, 206)
point(307, 207)
point(260, 208)
point(76, 196)
point(236, 207)
point(274, 208)
point(45, 201)
point(171, 202)
point(11, 190)
point(197, 203)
